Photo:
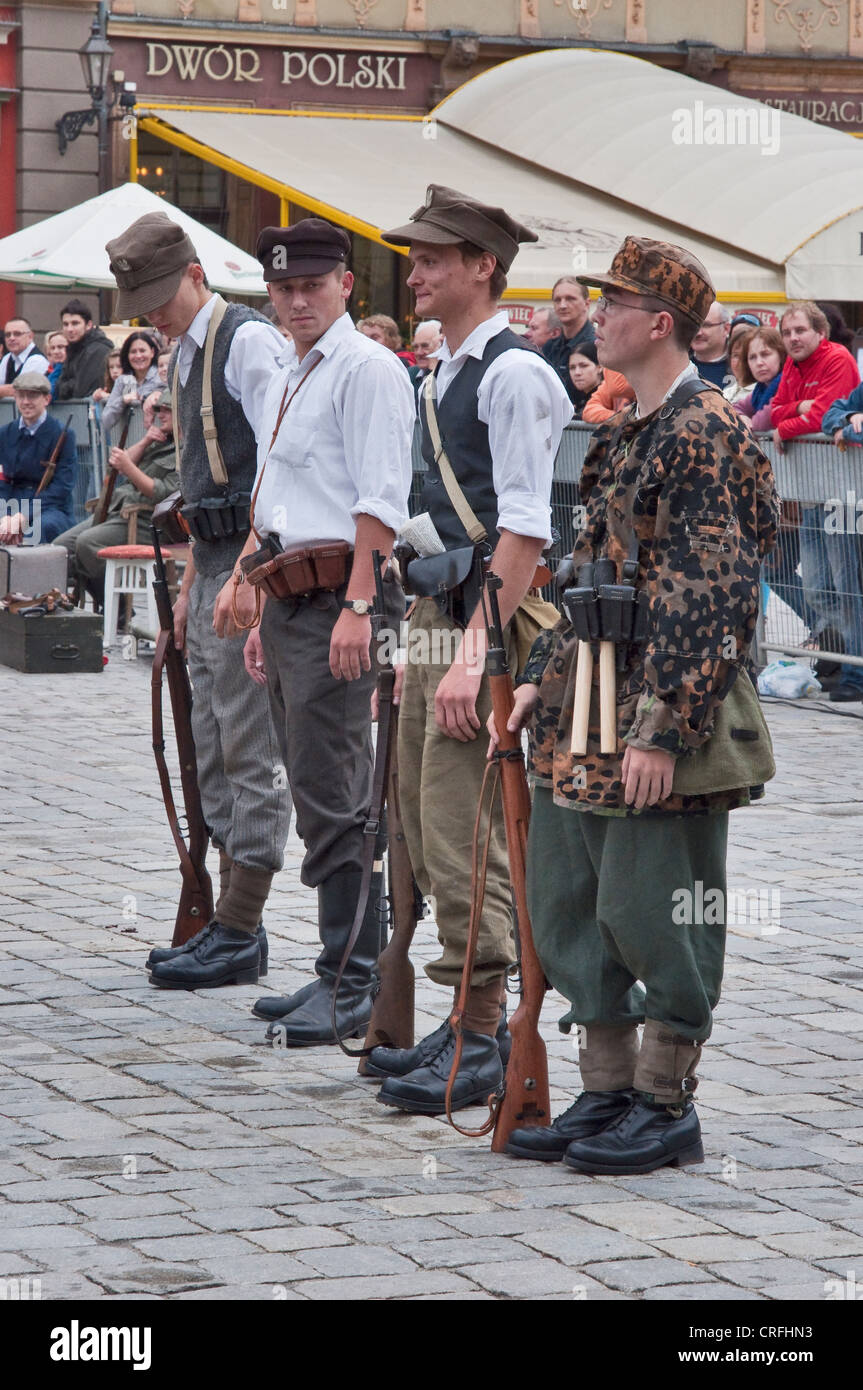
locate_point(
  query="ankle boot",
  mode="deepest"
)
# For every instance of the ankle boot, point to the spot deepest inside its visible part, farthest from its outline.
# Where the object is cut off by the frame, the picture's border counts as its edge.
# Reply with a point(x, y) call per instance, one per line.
point(222, 956)
point(399, 1061)
point(310, 1023)
point(647, 1136)
point(160, 953)
point(423, 1091)
point(593, 1112)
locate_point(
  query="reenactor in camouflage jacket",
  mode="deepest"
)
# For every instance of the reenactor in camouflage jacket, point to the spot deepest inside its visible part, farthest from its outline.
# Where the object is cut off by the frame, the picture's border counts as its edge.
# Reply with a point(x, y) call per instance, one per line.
point(626, 848)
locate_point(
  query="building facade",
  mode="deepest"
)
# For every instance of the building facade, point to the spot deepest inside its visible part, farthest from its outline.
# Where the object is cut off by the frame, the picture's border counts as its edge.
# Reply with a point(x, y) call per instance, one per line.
point(381, 57)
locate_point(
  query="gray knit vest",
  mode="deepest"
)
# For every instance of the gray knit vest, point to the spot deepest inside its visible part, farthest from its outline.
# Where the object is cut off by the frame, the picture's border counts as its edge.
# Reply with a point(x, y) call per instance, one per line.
point(465, 439)
point(236, 439)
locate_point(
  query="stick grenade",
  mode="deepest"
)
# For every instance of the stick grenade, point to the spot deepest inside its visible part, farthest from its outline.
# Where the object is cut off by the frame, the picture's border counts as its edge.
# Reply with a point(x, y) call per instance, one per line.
point(580, 604)
point(606, 573)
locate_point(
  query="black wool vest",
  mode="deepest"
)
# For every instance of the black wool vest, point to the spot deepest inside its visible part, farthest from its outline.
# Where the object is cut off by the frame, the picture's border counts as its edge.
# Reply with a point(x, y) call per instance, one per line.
point(465, 439)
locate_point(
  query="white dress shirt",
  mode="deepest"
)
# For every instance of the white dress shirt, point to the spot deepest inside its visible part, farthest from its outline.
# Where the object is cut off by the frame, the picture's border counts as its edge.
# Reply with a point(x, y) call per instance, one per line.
point(344, 446)
point(525, 405)
point(30, 360)
point(251, 359)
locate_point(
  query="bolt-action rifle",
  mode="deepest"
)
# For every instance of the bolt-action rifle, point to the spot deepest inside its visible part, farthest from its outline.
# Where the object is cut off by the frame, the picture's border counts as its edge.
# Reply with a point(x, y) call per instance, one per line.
point(525, 1101)
point(196, 894)
point(51, 463)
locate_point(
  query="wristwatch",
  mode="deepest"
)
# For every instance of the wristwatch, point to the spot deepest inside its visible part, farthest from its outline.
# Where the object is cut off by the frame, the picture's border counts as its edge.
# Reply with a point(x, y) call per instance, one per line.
point(361, 606)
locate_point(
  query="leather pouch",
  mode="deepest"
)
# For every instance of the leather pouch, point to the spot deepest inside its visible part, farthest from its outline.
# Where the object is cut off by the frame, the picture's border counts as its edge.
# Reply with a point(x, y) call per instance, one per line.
point(430, 576)
point(169, 520)
point(300, 570)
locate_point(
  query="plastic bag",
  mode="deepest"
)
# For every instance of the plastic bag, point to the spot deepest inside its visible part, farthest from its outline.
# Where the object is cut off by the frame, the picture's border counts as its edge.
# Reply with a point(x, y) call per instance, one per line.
point(787, 680)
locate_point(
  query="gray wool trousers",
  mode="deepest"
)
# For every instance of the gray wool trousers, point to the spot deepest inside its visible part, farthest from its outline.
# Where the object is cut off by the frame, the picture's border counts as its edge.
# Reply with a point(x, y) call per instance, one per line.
point(243, 796)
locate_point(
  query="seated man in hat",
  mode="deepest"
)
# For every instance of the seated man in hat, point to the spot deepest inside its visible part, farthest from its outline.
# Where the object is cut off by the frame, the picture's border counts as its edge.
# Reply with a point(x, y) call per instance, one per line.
point(148, 474)
point(26, 447)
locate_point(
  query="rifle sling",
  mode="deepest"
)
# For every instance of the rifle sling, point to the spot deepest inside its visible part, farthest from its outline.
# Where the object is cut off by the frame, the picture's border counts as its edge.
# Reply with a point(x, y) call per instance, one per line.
point(186, 864)
point(386, 685)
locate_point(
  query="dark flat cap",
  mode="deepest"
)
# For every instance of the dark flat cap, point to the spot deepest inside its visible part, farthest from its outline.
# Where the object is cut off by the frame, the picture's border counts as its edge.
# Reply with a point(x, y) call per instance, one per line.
point(148, 262)
point(662, 270)
point(448, 217)
point(310, 247)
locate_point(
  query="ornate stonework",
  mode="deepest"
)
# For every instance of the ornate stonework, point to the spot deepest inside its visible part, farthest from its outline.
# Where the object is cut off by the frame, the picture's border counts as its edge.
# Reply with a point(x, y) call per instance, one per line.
point(415, 18)
point(636, 21)
point(855, 29)
point(755, 41)
point(806, 21)
point(306, 12)
point(584, 13)
point(362, 9)
point(528, 19)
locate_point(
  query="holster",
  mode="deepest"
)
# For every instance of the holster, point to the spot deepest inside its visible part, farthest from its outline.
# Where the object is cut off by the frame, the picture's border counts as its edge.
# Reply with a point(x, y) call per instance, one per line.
point(169, 521)
point(453, 579)
point(318, 566)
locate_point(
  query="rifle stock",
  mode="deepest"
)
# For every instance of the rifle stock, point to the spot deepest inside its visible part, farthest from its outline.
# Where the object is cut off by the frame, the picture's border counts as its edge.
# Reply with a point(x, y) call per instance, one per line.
point(109, 482)
point(392, 1020)
point(196, 894)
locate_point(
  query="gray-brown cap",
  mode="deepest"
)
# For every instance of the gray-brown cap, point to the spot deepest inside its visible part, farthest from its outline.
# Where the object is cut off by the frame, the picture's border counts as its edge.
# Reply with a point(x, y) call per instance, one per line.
point(32, 381)
point(148, 262)
point(448, 217)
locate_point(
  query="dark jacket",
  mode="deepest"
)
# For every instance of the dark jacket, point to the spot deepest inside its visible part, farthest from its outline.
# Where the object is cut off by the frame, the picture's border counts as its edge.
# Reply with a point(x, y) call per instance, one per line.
point(22, 459)
point(84, 368)
point(557, 351)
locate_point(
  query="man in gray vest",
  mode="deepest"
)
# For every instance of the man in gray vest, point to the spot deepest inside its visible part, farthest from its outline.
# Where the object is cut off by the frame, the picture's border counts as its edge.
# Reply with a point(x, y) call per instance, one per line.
point(500, 414)
point(334, 462)
point(224, 360)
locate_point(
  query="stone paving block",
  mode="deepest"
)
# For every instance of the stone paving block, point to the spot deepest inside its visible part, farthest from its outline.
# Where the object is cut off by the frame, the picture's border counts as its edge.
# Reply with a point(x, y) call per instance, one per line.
point(579, 1242)
point(709, 1249)
point(355, 1261)
point(767, 1275)
point(441, 1254)
point(645, 1220)
point(433, 1204)
point(137, 1228)
point(527, 1278)
point(187, 1249)
point(634, 1276)
point(697, 1293)
point(392, 1286)
point(151, 1279)
point(296, 1237)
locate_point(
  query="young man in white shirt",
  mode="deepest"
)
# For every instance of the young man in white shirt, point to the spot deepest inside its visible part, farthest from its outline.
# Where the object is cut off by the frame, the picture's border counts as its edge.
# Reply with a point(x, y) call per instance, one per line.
point(21, 355)
point(334, 464)
point(246, 808)
point(501, 411)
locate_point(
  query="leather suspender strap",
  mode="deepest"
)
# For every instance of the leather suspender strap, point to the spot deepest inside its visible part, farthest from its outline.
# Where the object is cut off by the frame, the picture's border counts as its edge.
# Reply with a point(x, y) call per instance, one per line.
point(208, 420)
point(467, 516)
point(283, 410)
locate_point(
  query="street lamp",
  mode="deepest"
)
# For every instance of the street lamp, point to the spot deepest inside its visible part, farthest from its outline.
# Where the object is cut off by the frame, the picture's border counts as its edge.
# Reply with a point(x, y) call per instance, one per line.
point(95, 58)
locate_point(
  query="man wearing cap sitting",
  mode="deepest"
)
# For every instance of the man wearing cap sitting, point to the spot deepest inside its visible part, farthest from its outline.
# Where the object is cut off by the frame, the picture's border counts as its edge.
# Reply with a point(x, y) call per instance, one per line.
point(148, 474)
point(627, 847)
point(334, 466)
point(219, 374)
point(26, 446)
point(500, 410)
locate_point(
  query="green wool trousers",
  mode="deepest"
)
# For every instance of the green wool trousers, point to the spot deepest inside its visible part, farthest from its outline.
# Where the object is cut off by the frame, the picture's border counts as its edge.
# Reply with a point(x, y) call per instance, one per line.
point(615, 903)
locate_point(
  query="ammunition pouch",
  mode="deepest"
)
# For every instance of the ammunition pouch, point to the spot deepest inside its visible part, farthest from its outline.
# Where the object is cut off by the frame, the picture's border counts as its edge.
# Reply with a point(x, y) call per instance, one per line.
point(218, 518)
point(317, 567)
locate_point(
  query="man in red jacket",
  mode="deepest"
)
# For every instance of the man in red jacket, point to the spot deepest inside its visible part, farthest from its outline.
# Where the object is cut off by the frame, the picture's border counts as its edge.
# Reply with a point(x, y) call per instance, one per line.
point(815, 374)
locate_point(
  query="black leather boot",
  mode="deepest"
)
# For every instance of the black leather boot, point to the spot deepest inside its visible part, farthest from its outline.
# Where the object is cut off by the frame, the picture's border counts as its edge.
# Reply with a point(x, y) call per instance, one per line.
point(591, 1113)
point(223, 956)
point(646, 1136)
point(308, 1022)
point(399, 1061)
point(160, 953)
point(423, 1091)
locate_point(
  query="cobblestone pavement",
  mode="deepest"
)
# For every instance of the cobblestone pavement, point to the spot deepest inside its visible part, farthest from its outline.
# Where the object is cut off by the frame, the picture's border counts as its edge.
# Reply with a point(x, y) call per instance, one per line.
point(153, 1147)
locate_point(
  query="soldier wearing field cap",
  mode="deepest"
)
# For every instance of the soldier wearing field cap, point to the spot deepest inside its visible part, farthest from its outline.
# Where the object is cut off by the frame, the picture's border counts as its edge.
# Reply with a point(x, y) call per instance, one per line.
point(500, 410)
point(148, 474)
point(333, 478)
point(218, 376)
point(627, 847)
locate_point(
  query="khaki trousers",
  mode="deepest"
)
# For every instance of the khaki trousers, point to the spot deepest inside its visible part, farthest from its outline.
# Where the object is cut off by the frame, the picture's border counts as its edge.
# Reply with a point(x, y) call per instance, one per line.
point(439, 784)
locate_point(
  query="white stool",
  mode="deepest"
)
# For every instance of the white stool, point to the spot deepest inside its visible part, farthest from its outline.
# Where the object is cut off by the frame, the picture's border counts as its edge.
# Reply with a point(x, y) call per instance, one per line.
point(129, 569)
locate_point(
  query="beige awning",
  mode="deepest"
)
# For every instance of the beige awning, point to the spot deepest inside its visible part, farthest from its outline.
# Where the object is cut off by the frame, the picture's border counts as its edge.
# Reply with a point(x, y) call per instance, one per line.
point(369, 173)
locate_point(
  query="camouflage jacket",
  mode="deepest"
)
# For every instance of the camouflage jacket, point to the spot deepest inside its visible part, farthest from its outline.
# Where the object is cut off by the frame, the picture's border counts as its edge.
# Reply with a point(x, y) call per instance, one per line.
point(700, 497)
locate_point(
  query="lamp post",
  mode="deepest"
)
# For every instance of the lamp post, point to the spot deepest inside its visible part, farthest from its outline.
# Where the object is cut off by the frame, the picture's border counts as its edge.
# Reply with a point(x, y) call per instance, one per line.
point(95, 56)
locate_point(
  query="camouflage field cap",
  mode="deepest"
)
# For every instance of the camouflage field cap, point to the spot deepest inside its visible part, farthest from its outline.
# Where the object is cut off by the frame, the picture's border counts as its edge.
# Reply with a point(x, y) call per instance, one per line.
point(148, 261)
point(448, 217)
point(659, 269)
